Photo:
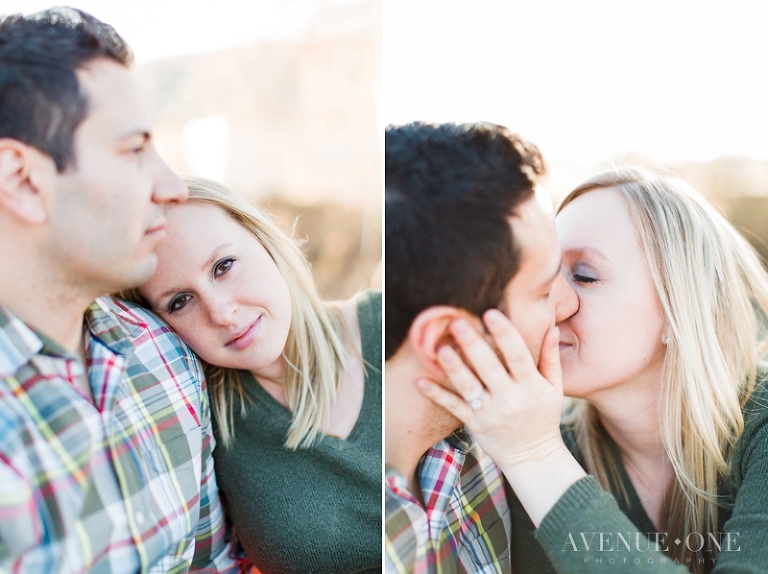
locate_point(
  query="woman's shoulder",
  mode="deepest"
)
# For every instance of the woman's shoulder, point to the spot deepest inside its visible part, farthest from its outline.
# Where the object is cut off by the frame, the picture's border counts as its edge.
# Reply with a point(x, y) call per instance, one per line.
point(370, 320)
point(752, 446)
point(363, 308)
point(361, 316)
point(756, 407)
point(369, 309)
point(369, 302)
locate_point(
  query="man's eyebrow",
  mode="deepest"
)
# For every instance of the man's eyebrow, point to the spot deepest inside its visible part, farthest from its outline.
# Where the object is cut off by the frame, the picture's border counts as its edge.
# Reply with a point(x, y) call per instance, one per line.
point(551, 279)
point(145, 135)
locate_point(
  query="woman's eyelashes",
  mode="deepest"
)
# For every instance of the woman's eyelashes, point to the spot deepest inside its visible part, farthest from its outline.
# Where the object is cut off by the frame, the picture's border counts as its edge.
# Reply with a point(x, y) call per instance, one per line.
point(178, 302)
point(220, 268)
point(579, 278)
point(583, 275)
point(223, 266)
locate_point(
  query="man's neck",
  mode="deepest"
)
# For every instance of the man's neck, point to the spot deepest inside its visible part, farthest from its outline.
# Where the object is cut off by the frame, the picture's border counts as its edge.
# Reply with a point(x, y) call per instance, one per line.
point(59, 316)
point(47, 304)
point(413, 422)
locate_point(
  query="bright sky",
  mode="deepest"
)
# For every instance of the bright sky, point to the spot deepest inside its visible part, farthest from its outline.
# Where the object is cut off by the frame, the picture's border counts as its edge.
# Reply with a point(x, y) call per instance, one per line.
point(163, 28)
point(586, 79)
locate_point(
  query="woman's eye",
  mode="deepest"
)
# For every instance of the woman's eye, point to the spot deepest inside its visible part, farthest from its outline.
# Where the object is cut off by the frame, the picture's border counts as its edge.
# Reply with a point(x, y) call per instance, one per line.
point(178, 302)
point(583, 278)
point(223, 266)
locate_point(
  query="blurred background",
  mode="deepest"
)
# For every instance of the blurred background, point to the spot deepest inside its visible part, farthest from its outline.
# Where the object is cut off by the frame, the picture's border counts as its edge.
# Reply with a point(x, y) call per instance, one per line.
point(673, 85)
point(279, 100)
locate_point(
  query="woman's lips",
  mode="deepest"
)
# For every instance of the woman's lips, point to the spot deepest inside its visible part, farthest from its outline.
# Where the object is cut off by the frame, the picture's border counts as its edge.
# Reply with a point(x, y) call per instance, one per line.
point(249, 336)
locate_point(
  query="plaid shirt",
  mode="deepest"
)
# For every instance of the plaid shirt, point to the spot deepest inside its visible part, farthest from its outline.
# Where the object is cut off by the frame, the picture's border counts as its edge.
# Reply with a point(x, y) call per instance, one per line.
point(122, 485)
point(466, 524)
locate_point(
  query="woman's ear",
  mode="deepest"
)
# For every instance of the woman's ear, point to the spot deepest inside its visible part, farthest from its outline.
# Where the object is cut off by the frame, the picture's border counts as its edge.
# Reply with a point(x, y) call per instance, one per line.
point(429, 331)
point(25, 174)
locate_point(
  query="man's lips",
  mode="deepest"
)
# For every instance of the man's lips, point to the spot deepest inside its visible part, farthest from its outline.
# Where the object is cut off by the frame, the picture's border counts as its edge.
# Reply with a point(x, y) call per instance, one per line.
point(157, 229)
point(565, 345)
point(244, 338)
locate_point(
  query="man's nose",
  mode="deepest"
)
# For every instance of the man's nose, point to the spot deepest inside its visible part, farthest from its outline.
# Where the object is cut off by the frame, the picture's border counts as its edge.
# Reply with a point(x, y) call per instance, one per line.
point(564, 297)
point(168, 187)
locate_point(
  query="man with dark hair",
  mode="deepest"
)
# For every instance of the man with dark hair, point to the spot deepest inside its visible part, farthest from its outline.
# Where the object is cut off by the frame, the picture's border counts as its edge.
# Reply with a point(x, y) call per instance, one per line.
point(105, 431)
point(464, 232)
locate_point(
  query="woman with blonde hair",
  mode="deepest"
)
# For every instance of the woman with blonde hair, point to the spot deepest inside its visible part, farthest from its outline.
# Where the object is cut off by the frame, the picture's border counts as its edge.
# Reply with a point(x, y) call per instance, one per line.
point(295, 384)
point(664, 359)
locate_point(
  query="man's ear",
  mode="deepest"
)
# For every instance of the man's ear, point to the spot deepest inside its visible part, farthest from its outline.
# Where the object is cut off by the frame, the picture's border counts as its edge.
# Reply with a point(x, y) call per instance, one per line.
point(429, 331)
point(25, 175)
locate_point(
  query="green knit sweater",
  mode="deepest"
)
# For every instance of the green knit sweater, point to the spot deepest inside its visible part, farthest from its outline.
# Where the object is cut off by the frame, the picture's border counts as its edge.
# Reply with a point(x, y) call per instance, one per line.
point(586, 510)
point(315, 510)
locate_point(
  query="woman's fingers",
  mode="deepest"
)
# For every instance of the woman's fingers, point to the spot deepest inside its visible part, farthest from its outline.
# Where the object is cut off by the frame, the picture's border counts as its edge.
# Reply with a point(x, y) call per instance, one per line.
point(480, 355)
point(462, 378)
point(511, 345)
point(549, 361)
point(451, 402)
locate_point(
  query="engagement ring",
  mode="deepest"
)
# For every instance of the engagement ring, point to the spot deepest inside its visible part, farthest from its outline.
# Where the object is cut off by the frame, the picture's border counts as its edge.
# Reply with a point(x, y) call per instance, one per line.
point(477, 402)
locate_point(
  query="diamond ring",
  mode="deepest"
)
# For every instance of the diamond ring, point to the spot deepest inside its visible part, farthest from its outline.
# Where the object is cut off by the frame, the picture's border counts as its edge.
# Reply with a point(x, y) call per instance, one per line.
point(477, 402)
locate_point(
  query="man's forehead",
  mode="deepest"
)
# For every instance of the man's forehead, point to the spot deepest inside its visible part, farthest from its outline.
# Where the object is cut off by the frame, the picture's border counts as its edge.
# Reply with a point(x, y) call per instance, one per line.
point(534, 216)
point(544, 198)
point(112, 88)
point(535, 235)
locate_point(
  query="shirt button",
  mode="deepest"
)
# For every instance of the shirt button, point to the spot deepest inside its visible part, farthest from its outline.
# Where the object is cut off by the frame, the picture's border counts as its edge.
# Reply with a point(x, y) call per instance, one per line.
point(139, 517)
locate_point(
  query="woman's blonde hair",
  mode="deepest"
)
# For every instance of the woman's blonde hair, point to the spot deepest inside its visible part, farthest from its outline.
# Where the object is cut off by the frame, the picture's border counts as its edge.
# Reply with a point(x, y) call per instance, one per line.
point(714, 294)
point(314, 352)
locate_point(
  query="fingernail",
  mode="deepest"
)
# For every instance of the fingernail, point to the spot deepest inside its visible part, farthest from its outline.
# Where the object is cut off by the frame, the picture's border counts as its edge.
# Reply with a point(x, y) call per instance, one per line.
point(423, 384)
point(494, 316)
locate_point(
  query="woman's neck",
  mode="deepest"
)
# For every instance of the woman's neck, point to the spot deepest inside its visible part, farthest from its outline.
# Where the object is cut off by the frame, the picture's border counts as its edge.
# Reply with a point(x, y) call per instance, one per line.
point(272, 378)
point(629, 412)
point(630, 415)
point(273, 373)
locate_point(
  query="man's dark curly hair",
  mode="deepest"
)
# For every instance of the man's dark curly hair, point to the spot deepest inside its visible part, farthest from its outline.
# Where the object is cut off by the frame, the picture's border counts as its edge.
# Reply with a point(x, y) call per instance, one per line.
point(41, 100)
point(449, 192)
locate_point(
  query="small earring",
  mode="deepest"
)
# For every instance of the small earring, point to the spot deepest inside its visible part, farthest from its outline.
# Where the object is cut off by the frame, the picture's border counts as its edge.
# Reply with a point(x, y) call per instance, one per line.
point(668, 340)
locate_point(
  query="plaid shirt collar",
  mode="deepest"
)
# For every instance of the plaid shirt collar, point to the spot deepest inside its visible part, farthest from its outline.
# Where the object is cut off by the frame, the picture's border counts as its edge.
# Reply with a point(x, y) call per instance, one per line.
point(115, 330)
point(461, 439)
point(20, 342)
point(464, 525)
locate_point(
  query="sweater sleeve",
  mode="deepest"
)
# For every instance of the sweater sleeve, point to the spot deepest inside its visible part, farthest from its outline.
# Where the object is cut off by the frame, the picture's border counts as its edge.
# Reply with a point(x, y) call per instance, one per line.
point(586, 532)
point(745, 539)
point(587, 517)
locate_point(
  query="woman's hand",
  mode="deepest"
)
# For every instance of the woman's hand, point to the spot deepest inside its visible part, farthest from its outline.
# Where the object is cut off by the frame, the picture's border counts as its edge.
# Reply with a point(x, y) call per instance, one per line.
point(511, 407)
point(519, 418)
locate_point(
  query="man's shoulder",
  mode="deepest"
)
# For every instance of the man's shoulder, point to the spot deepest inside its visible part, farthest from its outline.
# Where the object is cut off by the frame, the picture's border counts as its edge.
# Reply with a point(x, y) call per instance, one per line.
point(12, 419)
point(141, 325)
point(130, 314)
point(156, 347)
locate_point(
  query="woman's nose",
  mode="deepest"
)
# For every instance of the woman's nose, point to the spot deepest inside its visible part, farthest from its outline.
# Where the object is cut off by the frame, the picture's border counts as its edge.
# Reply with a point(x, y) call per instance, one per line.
point(222, 312)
